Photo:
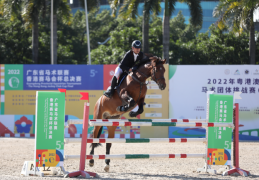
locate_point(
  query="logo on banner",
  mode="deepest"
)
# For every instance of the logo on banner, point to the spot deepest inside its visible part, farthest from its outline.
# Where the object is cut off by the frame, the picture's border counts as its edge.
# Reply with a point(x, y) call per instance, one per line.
point(153, 105)
point(112, 73)
point(93, 72)
point(153, 114)
point(154, 96)
point(150, 82)
point(246, 71)
point(237, 72)
point(227, 71)
point(13, 82)
point(152, 87)
point(256, 72)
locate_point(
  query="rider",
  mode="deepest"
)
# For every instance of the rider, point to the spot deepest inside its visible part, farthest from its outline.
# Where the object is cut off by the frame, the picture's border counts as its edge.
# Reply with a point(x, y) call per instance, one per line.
point(131, 57)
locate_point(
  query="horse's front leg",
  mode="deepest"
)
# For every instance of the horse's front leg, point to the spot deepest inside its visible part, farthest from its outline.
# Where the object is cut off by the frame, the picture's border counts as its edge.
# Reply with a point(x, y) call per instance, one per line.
point(140, 109)
point(126, 97)
point(111, 134)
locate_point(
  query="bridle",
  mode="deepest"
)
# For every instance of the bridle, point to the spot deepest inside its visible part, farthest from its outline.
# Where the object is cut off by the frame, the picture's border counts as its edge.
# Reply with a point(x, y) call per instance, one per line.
point(153, 73)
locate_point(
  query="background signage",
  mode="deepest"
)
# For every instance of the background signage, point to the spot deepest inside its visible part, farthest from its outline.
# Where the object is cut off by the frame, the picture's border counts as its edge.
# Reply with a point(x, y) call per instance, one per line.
point(187, 97)
point(70, 77)
point(49, 140)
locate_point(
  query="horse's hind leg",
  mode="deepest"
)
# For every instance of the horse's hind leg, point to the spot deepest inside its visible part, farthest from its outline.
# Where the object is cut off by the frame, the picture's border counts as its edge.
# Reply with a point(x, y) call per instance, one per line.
point(96, 134)
point(111, 134)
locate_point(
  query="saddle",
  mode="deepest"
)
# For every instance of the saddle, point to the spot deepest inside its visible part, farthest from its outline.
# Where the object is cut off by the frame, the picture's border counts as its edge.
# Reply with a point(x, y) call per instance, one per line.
point(117, 87)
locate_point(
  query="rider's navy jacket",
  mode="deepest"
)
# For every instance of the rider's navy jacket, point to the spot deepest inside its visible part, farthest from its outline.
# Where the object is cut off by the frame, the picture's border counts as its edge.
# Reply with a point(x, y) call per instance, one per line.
point(128, 61)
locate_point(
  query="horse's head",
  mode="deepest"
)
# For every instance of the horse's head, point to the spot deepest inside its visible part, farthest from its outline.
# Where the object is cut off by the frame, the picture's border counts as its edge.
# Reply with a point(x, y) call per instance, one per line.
point(158, 71)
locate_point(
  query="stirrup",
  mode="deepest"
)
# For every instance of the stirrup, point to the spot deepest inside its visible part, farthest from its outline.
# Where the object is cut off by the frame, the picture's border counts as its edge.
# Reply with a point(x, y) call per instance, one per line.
point(109, 93)
point(122, 108)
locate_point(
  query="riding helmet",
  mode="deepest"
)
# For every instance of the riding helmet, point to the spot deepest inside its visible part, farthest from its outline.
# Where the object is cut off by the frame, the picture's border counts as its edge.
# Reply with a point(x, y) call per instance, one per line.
point(136, 44)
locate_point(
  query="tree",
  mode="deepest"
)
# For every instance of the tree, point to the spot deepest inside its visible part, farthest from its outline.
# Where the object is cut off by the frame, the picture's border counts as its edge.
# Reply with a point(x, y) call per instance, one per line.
point(32, 10)
point(196, 19)
point(129, 10)
point(62, 9)
point(237, 16)
point(14, 41)
point(212, 47)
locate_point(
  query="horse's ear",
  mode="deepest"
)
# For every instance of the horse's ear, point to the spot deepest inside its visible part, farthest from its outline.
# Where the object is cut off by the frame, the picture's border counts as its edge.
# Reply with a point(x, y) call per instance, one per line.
point(148, 54)
point(154, 60)
point(163, 61)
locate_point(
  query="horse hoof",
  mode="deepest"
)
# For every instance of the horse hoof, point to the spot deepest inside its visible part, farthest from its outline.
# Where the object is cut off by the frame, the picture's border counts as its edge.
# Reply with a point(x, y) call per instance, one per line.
point(107, 168)
point(132, 114)
point(91, 164)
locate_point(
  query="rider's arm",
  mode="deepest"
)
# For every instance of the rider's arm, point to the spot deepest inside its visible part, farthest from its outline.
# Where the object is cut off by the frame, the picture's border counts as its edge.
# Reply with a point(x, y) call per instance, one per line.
point(124, 64)
point(124, 68)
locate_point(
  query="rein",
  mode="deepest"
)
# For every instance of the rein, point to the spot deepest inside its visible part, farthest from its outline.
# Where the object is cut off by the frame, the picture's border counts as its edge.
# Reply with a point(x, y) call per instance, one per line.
point(153, 73)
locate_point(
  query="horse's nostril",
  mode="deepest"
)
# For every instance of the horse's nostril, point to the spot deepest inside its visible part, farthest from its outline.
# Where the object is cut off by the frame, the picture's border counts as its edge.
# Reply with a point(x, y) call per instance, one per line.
point(162, 87)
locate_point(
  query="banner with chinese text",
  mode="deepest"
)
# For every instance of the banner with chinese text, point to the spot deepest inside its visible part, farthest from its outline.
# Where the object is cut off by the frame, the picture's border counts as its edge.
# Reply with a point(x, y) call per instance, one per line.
point(187, 95)
point(49, 138)
point(220, 138)
point(70, 77)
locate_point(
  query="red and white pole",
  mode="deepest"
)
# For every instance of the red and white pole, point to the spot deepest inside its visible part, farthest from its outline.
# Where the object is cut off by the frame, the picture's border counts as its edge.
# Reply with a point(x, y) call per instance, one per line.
point(82, 171)
point(236, 146)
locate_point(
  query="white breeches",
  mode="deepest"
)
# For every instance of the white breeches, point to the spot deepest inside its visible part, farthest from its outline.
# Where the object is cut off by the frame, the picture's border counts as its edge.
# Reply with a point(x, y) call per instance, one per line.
point(118, 72)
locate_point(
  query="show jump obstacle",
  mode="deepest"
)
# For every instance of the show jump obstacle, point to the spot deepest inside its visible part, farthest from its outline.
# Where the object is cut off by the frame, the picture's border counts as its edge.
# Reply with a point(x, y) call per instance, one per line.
point(219, 122)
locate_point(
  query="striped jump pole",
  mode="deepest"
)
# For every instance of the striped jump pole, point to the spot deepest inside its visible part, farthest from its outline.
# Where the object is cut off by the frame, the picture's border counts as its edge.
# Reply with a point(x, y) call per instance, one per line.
point(141, 140)
point(161, 124)
point(80, 121)
point(149, 120)
point(136, 156)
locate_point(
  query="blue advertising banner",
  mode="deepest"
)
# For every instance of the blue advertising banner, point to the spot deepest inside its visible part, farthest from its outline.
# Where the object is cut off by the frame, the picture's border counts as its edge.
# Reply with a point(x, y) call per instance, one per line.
point(70, 77)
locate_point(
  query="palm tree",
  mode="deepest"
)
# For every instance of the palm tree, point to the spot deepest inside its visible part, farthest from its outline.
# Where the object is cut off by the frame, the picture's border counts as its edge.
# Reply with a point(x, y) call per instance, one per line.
point(28, 11)
point(92, 5)
point(61, 9)
point(196, 19)
point(129, 10)
point(11, 8)
point(32, 10)
point(237, 16)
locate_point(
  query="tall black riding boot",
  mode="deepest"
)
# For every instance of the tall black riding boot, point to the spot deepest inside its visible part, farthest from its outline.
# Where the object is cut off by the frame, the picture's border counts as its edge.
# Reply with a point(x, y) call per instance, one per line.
point(111, 90)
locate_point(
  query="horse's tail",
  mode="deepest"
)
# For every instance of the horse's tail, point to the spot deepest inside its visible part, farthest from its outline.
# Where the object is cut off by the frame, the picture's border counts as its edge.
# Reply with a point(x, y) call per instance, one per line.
point(100, 132)
point(97, 109)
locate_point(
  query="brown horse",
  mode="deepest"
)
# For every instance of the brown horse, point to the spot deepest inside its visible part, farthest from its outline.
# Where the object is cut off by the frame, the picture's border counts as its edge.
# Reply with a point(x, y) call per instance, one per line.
point(131, 93)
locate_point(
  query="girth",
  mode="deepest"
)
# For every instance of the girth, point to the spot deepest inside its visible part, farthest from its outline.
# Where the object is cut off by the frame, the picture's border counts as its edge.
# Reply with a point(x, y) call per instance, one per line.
point(141, 86)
